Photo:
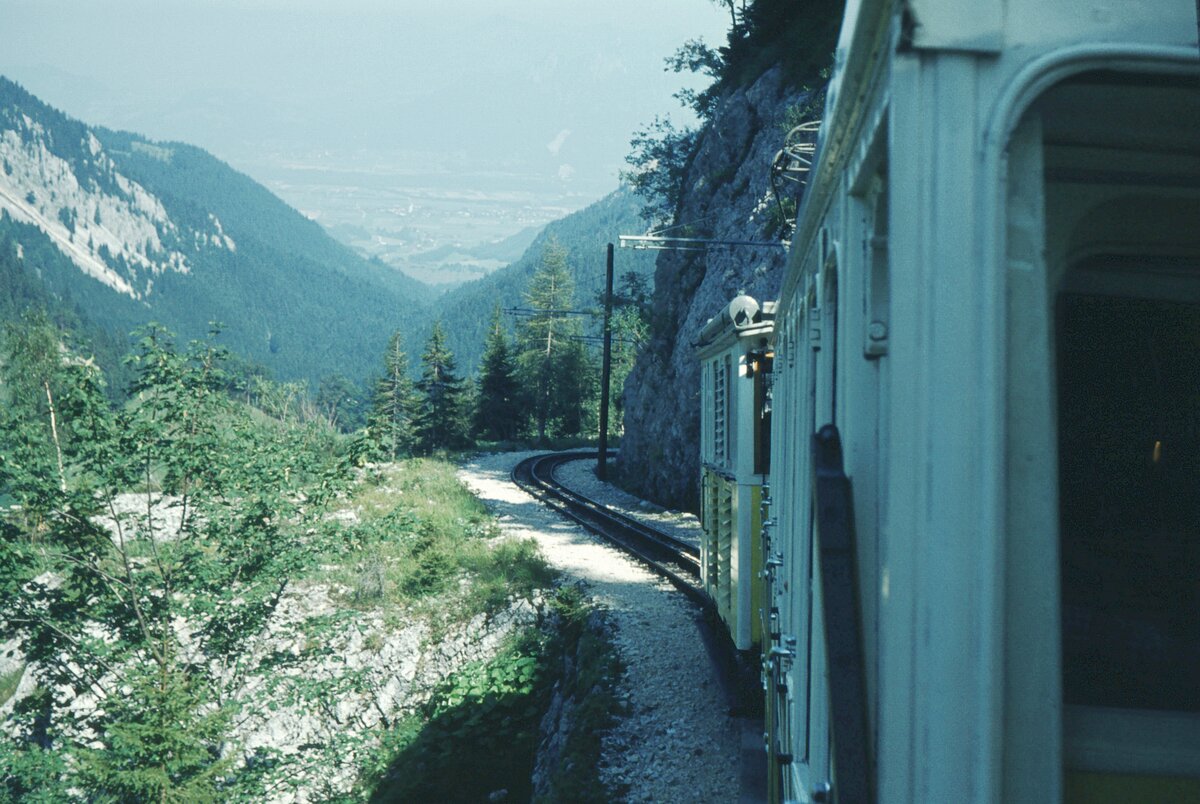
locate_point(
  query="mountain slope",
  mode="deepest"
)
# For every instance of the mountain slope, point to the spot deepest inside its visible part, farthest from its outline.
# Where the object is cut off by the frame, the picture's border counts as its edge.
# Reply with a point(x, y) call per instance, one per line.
point(466, 310)
point(166, 232)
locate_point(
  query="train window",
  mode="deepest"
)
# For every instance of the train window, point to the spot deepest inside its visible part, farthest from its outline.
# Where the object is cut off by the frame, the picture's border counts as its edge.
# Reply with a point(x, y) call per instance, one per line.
point(1129, 472)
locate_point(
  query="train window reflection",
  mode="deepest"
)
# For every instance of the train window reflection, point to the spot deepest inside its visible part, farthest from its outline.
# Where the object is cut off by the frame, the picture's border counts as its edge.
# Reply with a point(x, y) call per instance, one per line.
point(1129, 490)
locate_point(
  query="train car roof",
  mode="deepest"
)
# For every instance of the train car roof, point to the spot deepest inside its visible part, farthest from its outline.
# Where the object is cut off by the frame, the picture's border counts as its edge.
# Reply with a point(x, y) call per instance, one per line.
point(742, 318)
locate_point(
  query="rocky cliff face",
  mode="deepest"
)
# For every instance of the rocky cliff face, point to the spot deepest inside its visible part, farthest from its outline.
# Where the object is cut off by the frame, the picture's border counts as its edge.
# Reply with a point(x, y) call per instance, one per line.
point(726, 196)
point(110, 226)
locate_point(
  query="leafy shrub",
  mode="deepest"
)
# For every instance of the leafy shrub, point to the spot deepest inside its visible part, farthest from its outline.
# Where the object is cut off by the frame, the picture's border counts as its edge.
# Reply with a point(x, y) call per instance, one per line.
point(110, 601)
point(477, 735)
point(660, 158)
point(797, 37)
point(9, 682)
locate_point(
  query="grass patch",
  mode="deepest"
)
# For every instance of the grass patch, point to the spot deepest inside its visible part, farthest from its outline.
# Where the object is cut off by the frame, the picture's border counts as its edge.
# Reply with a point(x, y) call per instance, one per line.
point(424, 544)
point(423, 538)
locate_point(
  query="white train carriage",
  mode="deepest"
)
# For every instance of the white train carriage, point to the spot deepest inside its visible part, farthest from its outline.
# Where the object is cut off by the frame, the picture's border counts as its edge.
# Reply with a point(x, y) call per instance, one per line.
point(735, 365)
point(993, 299)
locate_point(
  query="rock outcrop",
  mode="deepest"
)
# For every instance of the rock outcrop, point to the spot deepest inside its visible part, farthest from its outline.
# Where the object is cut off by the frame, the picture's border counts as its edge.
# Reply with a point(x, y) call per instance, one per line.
point(579, 703)
point(321, 713)
point(726, 197)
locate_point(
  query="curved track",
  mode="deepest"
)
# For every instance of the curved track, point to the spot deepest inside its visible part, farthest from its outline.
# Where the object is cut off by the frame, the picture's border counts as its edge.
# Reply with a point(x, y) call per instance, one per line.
point(678, 561)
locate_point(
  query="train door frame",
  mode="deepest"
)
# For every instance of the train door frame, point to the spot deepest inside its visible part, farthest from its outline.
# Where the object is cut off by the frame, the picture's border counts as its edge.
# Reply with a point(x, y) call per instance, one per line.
point(1039, 740)
point(825, 412)
point(811, 771)
point(779, 649)
point(782, 650)
point(805, 575)
point(956, 681)
point(789, 661)
point(863, 403)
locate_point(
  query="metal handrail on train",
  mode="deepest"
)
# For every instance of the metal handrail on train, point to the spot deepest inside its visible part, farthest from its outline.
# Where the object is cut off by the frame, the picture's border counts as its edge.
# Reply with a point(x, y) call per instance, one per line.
point(852, 780)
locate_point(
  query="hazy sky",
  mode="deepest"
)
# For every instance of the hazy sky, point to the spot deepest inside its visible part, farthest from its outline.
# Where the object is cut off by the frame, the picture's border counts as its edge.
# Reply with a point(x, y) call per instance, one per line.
point(555, 88)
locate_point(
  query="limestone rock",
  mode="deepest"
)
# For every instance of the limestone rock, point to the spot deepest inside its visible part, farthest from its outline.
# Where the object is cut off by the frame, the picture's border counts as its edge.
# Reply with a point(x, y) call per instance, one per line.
point(727, 196)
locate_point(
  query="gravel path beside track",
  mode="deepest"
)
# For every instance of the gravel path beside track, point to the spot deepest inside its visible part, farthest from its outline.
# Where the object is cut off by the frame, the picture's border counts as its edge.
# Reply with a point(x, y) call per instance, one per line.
point(678, 743)
point(581, 476)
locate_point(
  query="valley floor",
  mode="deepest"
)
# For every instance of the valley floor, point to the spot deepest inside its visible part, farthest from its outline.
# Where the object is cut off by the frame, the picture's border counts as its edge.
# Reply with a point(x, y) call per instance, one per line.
point(678, 742)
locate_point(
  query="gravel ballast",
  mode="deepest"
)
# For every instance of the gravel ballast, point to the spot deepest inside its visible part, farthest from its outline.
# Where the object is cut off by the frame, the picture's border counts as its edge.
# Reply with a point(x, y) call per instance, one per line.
point(678, 743)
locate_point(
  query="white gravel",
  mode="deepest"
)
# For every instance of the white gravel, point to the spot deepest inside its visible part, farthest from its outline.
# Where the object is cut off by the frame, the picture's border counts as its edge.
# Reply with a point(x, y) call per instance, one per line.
point(678, 743)
point(581, 476)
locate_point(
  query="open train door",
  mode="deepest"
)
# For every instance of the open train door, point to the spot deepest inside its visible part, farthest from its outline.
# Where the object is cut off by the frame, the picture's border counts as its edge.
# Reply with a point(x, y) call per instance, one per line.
point(1103, 553)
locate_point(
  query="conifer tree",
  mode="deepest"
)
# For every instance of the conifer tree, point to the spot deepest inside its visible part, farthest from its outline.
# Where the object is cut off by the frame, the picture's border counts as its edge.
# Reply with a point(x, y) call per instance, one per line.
point(35, 372)
point(552, 365)
point(497, 412)
point(573, 411)
point(440, 420)
point(390, 424)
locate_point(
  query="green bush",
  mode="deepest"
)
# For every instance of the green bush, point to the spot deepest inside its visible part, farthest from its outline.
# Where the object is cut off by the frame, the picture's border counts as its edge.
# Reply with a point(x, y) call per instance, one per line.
point(9, 682)
point(478, 734)
point(420, 533)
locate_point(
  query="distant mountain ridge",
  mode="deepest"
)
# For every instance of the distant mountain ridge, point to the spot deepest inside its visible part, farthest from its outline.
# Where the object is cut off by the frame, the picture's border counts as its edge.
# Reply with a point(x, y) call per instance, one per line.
point(125, 230)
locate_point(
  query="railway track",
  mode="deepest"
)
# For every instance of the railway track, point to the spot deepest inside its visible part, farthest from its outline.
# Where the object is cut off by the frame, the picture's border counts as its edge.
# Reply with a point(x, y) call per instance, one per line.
point(678, 561)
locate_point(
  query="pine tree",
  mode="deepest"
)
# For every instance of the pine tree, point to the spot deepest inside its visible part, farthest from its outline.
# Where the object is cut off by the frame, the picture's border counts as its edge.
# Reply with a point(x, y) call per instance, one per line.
point(497, 411)
point(552, 366)
point(390, 423)
point(577, 383)
point(40, 379)
point(441, 416)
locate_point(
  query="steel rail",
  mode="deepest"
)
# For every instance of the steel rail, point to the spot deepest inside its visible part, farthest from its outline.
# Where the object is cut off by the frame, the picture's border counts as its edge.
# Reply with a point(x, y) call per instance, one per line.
point(665, 555)
point(678, 561)
point(688, 554)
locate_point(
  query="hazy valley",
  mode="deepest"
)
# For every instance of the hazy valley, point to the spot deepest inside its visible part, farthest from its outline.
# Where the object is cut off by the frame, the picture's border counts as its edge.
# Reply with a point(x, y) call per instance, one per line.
point(433, 215)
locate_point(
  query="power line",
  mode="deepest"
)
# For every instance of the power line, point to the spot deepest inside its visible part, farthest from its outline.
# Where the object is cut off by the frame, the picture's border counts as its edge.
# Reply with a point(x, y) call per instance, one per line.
point(534, 311)
point(659, 243)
